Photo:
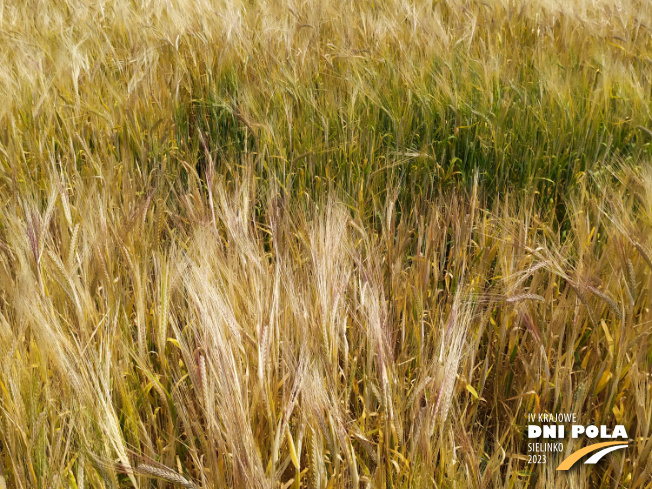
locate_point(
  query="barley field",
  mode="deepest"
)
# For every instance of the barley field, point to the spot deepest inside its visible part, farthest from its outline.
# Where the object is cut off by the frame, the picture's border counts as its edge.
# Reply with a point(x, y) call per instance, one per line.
point(321, 244)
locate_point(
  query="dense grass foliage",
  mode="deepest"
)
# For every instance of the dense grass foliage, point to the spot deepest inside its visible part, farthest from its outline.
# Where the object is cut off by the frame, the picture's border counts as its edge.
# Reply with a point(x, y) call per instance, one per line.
point(322, 244)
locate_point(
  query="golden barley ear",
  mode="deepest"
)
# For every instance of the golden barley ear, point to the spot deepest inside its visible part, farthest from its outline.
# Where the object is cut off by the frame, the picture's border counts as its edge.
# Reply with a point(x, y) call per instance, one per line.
point(605, 297)
point(631, 276)
point(165, 474)
point(644, 253)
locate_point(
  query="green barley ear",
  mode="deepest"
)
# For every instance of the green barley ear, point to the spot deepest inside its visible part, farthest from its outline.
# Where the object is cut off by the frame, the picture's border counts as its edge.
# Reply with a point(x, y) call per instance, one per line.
point(316, 460)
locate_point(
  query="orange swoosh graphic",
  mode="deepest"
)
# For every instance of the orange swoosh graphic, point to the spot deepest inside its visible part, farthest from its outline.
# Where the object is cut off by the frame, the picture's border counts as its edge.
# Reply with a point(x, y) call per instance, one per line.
point(575, 456)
